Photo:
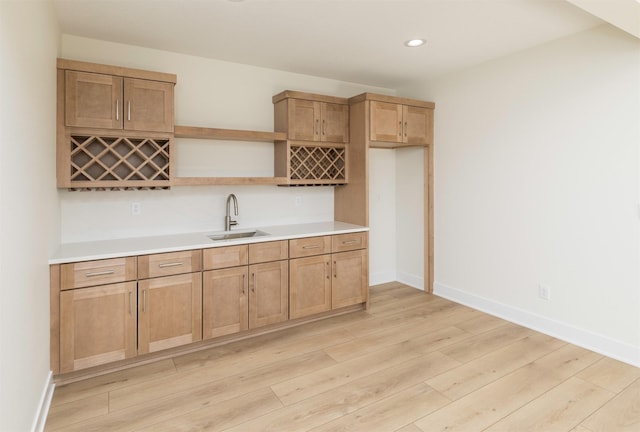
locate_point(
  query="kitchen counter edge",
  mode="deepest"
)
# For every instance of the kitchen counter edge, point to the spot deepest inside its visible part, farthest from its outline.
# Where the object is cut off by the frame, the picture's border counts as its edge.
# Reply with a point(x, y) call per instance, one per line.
point(125, 247)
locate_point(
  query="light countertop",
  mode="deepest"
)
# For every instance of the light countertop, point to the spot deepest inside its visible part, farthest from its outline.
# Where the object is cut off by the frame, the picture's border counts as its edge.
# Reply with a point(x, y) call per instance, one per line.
point(102, 249)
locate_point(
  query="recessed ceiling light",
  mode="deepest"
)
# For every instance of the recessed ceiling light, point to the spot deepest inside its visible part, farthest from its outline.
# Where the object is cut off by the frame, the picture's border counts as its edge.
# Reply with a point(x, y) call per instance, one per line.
point(415, 43)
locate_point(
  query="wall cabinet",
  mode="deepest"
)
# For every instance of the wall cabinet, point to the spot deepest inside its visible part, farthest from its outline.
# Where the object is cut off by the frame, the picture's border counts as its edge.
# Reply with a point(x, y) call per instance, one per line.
point(115, 127)
point(95, 100)
point(398, 123)
point(311, 117)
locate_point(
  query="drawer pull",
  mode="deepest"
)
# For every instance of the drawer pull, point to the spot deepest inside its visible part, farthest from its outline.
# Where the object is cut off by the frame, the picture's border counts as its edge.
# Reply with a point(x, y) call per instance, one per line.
point(350, 242)
point(311, 247)
point(100, 273)
point(173, 264)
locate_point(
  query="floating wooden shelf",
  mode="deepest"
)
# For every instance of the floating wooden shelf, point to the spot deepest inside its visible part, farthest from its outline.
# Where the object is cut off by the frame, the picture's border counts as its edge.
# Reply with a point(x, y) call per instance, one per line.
point(235, 181)
point(227, 134)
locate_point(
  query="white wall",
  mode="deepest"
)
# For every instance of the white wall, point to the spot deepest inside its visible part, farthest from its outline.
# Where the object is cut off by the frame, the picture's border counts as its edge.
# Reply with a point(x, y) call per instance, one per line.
point(214, 94)
point(537, 182)
point(29, 217)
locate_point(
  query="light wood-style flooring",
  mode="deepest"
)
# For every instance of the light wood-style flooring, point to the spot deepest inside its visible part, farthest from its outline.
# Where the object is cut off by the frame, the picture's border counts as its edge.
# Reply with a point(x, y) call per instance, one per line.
point(413, 362)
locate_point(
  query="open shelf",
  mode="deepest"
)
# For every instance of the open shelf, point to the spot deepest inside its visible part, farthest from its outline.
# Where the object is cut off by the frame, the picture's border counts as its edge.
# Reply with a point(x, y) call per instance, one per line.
point(235, 181)
point(227, 134)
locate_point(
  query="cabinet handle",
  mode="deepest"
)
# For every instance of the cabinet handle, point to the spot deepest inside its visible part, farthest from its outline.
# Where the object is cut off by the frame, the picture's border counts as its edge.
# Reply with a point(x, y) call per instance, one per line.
point(244, 282)
point(335, 270)
point(144, 300)
point(173, 264)
point(317, 127)
point(311, 247)
point(400, 128)
point(328, 273)
point(117, 109)
point(323, 128)
point(130, 302)
point(349, 242)
point(255, 282)
point(128, 110)
point(405, 128)
point(100, 273)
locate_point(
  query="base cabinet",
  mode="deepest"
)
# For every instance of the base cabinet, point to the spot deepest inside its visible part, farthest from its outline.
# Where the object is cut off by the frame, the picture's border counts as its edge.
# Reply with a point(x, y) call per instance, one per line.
point(97, 325)
point(110, 310)
point(169, 312)
point(350, 278)
point(269, 293)
point(310, 289)
point(224, 302)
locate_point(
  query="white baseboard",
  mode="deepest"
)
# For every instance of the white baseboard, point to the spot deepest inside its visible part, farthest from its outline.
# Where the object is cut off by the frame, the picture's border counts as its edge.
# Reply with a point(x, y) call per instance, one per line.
point(411, 280)
point(601, 344)
point(382, 277)
point(43, 407)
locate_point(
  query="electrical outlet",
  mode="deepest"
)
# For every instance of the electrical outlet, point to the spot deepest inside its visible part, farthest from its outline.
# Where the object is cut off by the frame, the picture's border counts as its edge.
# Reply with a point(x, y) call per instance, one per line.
point(136, 208)
point(544, 292)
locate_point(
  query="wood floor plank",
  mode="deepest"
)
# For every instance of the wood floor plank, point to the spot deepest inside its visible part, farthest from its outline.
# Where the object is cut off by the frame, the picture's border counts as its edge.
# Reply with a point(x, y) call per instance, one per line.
point(484, 343)
point(347, 398)
point(477, 373)
point(375, 341)
point(481, 324)
point(620, 414)
point(320, 330)
point(390, 413)
point(105, 383)
point(560, 409)
point(75, 411)
point(494, 401)
point(611, 374)
point(225, 366)
point(221, 416)
point(179, 403)
point(413, 362)
point(305, 386)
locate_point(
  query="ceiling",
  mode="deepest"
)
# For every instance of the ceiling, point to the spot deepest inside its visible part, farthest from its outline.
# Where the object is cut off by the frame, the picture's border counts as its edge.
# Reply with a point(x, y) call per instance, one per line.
point(350, 40)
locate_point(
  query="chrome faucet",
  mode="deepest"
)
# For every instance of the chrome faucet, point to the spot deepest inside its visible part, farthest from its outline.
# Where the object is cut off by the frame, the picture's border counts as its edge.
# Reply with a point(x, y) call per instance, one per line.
point(228, 223)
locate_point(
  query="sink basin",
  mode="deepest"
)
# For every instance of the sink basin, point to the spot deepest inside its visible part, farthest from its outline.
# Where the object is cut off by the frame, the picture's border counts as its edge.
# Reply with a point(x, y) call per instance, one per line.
point(230, 235)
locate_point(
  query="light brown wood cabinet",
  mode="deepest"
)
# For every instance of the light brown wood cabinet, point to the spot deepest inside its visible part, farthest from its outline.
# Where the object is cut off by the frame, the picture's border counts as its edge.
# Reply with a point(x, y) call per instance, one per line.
point(114, 127)
point(97, 325)
point(111, 310)
point(398, 123)
point(94, 100)
point(322, 281)
point(248, 288)
point(169, 312)
point(311, 117)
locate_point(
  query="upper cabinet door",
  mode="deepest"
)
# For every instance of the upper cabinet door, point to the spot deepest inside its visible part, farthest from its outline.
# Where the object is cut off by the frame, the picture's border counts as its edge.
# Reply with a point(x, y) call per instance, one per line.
point(386, 122)
point(304, 120)
point(417, 125)
point(334, 125)
point(93, 100)
point(148, 105)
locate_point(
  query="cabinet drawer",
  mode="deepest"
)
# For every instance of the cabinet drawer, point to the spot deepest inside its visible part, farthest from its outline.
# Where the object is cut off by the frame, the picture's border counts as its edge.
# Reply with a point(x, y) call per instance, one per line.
point(347, 242)
point(309, 246)
point(100, 272)
point(269, 251)
point(167, 264)
point(223, 257)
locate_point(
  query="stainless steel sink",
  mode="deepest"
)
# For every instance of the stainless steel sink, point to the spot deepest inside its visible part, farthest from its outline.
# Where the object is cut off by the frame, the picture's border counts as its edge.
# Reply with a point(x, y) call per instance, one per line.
point(230, 235)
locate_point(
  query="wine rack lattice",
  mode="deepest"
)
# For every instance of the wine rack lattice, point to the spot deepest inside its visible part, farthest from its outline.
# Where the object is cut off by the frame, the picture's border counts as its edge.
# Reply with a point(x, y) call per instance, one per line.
point(133, 162)
point(317, 165)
